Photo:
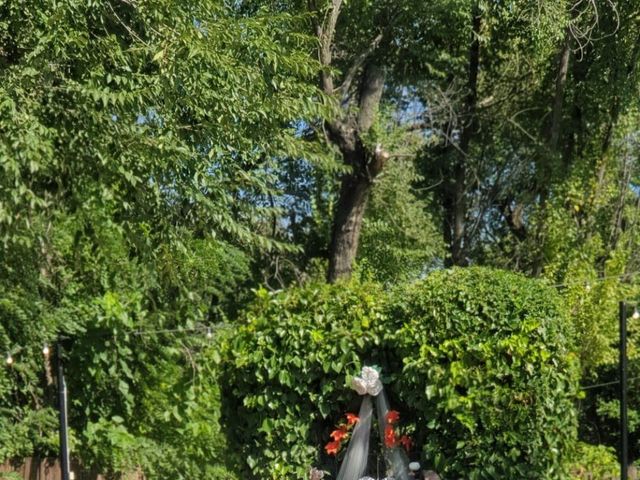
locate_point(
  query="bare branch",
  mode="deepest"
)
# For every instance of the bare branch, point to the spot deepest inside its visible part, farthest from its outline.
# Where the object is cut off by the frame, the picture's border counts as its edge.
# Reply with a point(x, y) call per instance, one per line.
point(522, 129)
point(583, 34)
point(487, 102)
point(326, 32)
point(127, 27)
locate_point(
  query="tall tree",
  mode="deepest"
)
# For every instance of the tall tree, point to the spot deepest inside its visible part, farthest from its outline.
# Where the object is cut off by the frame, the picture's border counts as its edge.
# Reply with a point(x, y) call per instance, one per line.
point(360, 94)
point(496, 65)
point(365, 49)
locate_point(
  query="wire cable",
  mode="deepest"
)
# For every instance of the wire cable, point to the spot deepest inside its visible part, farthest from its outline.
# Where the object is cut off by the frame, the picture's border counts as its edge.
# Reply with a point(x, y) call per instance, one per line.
point(587, 281)
point(607, 384)
point(141, 332)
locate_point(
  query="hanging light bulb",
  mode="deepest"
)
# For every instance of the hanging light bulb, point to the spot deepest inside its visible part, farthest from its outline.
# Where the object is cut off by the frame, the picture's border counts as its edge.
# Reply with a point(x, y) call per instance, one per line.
point(636, 314)
point(209, 333)
point(9, 359)
point(45, 350)
point(587, 287)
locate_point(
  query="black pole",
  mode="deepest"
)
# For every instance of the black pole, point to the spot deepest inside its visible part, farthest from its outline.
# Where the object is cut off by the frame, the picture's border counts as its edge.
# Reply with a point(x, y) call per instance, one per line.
point(624, 447)
point(62, 408)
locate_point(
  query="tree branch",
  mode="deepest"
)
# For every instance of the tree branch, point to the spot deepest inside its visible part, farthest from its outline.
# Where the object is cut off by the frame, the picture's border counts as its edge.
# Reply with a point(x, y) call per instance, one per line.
point(370, 94)
point(326, 32)
point(357, 64)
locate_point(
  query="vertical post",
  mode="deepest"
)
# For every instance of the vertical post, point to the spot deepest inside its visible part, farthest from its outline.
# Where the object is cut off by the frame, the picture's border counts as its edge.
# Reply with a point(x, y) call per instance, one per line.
point(624, 447)
point(62, 408)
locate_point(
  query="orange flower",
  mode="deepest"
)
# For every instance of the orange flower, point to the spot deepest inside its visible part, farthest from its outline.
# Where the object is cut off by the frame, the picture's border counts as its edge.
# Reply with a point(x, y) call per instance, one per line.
point(393, 416)
point(352, 418)
point(406, 442)
point(332, 448)
point(339, 434)
point(390, 440)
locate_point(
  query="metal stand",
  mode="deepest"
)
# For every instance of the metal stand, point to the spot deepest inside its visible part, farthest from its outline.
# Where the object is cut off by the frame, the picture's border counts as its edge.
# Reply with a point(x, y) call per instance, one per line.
point(62, 408)
point(624, 447)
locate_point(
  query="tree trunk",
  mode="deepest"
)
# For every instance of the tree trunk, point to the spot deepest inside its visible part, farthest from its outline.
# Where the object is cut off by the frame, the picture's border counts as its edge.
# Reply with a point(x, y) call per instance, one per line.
point(355, 186)
point(455, 204)
point(346, 132)
point(458, 213)
point(618, 93)
point(558, 100)
point(347, 224)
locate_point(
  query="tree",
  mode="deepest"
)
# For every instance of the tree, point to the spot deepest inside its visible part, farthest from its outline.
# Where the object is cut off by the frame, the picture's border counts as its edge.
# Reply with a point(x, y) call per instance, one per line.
point(347, 131)
point(362, 49)
point(129, 165)
point(492, 77)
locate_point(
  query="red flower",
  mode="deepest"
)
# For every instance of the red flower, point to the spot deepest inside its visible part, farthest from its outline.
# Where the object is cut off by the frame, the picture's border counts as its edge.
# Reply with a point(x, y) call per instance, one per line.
point(332, 448)
point(393, 416)
point(406, 442)
point(339, 434)
point(390, 440)
point(352, 418)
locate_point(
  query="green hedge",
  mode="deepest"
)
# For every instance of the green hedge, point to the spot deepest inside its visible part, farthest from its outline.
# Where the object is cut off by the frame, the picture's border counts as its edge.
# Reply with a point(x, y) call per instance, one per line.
point(286, 383)
point(488, 366)
point(478, 360)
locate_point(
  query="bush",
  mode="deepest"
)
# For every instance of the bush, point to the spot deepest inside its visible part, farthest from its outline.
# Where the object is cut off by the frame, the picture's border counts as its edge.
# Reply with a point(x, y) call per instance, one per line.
point(489, 369)
point(595, 462)
point(478, 360)
point(286, 377)
point(172, 430)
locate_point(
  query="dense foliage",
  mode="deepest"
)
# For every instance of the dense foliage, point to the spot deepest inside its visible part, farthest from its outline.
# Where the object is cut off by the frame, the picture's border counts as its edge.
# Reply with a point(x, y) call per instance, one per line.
point(285, 383)
point(131, 171)
point(161, 159)
point(595, 462)
point(488, 366)
point(479, 361)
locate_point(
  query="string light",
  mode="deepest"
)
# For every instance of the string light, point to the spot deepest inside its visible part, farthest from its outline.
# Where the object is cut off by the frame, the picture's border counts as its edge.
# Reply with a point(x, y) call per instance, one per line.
point(208, 331)
point(9, 360)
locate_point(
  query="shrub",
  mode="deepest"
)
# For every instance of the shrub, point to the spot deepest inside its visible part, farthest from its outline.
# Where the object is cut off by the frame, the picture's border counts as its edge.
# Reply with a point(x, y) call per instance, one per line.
point(173, 430)
point(489, 369)
point(594, 462)
point(479, 360)
point(286, 374)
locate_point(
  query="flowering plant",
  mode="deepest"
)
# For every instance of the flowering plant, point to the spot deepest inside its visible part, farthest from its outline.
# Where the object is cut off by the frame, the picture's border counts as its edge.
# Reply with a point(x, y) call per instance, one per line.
point(394, 435)
point(341, 434)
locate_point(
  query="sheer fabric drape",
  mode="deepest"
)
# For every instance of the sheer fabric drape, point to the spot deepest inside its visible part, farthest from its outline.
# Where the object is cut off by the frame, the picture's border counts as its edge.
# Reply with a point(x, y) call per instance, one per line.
point(355, 464)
